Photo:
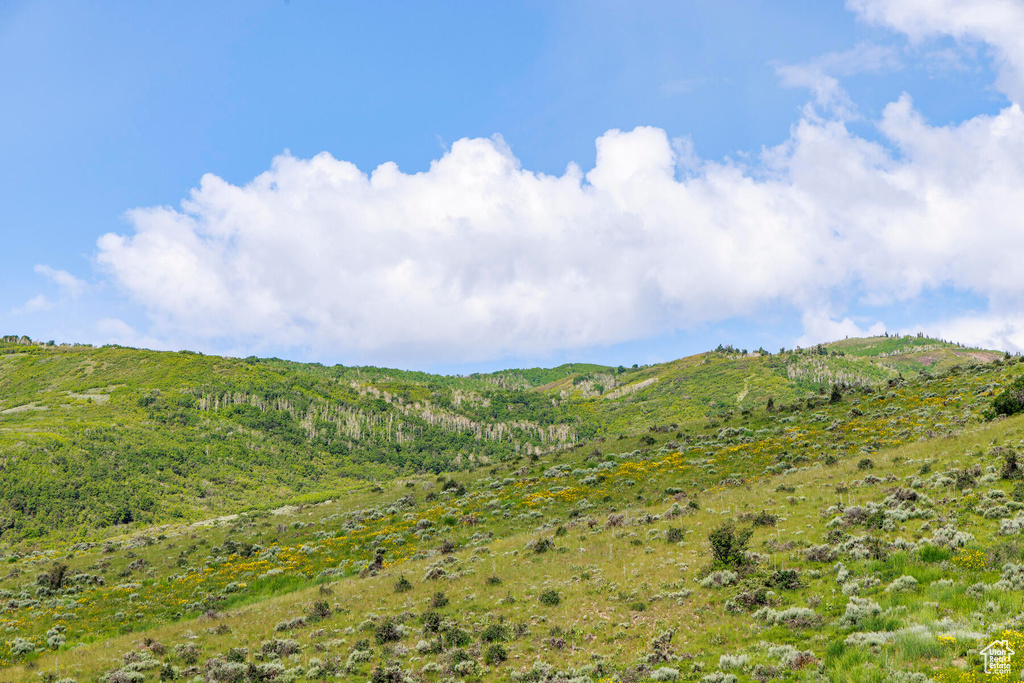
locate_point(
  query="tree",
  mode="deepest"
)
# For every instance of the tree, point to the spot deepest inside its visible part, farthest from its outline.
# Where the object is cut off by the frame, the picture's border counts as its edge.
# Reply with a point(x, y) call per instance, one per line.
point(729, 545)
point(54, 577)
point(1011, 400)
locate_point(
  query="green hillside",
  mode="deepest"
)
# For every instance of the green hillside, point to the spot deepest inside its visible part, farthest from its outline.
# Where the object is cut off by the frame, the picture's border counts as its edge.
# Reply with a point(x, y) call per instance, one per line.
point(580, 524)
point(93, 439)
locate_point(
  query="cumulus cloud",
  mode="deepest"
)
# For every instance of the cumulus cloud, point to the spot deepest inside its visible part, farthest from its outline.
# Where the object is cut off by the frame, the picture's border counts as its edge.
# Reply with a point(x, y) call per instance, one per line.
point(982, 330)
point(478, 257)
point(998, 23)
point(475, 257)
point(822, 326)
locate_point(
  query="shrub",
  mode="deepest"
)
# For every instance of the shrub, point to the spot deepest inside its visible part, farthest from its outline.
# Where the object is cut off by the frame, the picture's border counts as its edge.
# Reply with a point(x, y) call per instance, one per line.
point(493, 633)
point(54, 577)
point(430, 647)
point(789, 657)
point(964, 479)
point(390, 673)
point(550, 597)
point(125, 676)
point(726, 662)
point(219, 671)
point(674, 534)
point(387, 631)
point(719, 579)
point(543, 545)
point(902, 584)
point(752, 599)
point(290, 624)
point(764, 518)
point(615, 519)
point(1011, 469)
point(786, 579)
point(457, 637)
point(188, 652)
point(793, 617)
point(719, 677)
point(431, 622)
point(439, 600)
point(261, 673)
point(321, 610)
point(820, 553)
point(665, 673)
point(1011, 400)
point(865, 464)
point(22, 646)
point(493, 580)
point(279, 648)
point(403, 585)
point(495, 654)
point(859, 611)
point(1018, 492)
point(729, 545)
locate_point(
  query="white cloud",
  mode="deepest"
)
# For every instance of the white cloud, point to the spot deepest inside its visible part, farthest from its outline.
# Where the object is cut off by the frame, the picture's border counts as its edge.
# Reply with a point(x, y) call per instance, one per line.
point(821, 326)
point(117, 331)
point(34, 305)
point(999, 23)
point(821, 75)
point(479, 258)
point(474, 258)
point(981, 330)
point(69, 284)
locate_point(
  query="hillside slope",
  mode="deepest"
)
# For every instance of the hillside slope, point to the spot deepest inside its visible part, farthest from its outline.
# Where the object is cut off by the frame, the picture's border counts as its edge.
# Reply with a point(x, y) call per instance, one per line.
point(94, 439)
point(883, 545)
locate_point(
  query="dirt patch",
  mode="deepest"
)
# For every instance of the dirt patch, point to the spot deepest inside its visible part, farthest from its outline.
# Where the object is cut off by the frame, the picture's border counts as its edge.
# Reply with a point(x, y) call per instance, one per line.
point(630, 388)
point(22, 409)
point(215, 521)
point(95, 398)
point(983, 356)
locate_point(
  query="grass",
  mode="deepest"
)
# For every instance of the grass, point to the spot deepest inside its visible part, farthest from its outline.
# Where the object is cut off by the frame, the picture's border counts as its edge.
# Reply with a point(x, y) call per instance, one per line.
point(628, 601)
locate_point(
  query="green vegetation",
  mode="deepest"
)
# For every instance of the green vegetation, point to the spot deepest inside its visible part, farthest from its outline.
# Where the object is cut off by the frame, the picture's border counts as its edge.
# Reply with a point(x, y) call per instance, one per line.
point(196, 518)
point(1010, 400)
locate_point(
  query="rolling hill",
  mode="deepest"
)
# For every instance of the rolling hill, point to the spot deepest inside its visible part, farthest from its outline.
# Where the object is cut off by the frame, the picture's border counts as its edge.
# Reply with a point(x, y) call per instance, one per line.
point(849, 512)
point(92, 439)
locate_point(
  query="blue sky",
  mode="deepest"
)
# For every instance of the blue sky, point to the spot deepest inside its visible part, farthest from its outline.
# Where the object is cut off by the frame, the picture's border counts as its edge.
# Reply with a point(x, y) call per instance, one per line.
point(750, 106)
